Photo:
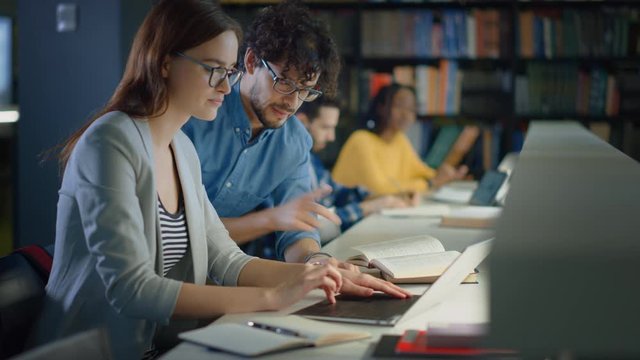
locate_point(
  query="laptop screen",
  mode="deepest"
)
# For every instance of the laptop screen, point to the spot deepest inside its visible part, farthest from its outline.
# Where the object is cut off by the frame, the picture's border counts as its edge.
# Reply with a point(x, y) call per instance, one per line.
point(485, 194)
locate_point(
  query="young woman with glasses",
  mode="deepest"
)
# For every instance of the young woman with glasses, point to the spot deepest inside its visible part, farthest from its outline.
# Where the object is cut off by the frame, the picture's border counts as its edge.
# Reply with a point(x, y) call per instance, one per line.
point(136, 236)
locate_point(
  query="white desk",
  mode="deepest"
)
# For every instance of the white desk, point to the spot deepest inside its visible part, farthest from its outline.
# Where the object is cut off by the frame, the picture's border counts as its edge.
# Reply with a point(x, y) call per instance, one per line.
point(468, 304)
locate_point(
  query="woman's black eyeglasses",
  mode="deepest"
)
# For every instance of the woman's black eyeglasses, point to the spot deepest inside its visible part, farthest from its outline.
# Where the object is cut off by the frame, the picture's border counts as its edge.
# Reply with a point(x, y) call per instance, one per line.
point(218, 73)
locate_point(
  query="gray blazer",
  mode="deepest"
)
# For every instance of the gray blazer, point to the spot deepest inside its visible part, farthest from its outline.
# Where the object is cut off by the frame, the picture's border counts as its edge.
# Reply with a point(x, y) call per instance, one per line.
point(107, 268)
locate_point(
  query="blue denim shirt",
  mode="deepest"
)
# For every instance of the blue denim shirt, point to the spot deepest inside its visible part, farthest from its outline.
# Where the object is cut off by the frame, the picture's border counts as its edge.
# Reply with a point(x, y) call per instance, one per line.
point(241, 176)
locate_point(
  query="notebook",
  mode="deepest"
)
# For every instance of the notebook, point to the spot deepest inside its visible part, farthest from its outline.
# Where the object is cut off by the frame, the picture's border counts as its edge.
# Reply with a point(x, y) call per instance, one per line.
point(384, 310)
point(268, 334)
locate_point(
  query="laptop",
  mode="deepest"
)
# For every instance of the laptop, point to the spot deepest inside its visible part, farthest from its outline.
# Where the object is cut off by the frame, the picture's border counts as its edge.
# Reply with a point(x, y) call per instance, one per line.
point(384, 310)
point(507, 165)
point(485, 194)
point(487, 190)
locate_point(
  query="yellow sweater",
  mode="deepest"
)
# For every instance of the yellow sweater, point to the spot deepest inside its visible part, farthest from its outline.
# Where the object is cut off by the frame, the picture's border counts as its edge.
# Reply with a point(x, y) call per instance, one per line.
point(383, 167)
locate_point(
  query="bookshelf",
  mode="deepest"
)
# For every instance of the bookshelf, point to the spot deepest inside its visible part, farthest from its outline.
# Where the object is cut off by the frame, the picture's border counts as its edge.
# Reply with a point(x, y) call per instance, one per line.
point(496, 64)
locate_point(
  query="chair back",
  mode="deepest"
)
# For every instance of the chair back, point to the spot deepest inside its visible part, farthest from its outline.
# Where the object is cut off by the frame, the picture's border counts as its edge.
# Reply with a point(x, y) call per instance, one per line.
point(23, 276)
point(91, 344)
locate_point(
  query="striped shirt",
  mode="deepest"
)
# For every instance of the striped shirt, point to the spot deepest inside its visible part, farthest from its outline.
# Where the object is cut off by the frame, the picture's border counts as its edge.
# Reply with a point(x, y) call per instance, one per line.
point(175, 238)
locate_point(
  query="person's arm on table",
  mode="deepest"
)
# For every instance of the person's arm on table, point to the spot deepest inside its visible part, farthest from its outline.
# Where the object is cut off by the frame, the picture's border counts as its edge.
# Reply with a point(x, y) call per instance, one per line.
point(281, 285)
point(295, 215)
point(447, 173)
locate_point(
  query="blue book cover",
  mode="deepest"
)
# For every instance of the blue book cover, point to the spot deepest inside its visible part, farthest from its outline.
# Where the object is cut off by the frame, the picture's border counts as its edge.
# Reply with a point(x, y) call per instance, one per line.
point(452, 87)
point(449, 28)
point(538, 37)
point(427, 134)
point(473, 159)
point(517, 140)
point(423, 32)
point(461, 27)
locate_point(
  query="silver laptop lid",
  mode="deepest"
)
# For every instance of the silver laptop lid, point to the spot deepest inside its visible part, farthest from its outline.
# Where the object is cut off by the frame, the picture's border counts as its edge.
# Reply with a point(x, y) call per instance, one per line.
point(470, 258)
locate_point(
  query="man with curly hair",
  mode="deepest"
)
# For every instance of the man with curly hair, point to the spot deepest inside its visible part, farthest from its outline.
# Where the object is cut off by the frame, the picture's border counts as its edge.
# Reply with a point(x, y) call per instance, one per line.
point(255, 159)
point(255, 155)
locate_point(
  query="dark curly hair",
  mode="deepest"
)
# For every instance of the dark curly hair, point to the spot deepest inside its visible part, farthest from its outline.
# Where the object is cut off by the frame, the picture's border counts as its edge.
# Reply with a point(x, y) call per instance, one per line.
point(288, 32)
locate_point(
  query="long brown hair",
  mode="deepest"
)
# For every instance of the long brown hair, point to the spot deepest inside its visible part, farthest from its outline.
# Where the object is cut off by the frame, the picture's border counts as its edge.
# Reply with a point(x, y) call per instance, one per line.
point(170, 26)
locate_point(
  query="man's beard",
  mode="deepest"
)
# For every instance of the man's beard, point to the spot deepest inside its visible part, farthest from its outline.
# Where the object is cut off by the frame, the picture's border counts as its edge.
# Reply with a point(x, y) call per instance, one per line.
point(260, 113)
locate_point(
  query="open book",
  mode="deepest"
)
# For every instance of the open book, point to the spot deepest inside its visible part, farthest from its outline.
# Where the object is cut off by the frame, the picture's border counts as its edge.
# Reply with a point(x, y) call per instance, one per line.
point(266, 334)
point(415, 259)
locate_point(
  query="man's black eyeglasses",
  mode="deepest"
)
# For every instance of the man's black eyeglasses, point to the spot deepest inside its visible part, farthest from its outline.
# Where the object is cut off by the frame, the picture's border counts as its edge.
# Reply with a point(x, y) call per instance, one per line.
point(286, 86)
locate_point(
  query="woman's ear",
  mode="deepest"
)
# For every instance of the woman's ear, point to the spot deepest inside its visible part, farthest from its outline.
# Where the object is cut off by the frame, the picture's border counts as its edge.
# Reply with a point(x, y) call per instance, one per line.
point(166, 65)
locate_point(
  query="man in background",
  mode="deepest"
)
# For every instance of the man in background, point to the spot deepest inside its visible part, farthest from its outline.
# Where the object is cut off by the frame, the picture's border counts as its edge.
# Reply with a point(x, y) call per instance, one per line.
point(351, 204)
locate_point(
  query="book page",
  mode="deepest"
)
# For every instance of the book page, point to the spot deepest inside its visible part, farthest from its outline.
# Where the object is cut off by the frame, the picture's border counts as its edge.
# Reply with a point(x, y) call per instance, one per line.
point(318, 332)
point(420, 265)
point(417, 211)
point(420, 244)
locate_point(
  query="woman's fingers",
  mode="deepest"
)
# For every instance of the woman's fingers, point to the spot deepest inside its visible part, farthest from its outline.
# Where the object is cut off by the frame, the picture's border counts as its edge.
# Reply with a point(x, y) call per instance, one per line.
point(356, 283)
point(333, 273)
point(327, 277)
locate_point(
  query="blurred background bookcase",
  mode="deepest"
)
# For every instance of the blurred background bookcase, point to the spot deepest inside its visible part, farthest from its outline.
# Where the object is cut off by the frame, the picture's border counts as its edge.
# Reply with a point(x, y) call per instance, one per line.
point(495, 65)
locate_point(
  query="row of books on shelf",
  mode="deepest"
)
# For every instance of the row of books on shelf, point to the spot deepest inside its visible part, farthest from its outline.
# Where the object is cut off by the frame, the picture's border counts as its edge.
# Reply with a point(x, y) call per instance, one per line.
point(555, 32)
point(566, 89)
point(543, 89)
point(445, 89)
point(450, 33)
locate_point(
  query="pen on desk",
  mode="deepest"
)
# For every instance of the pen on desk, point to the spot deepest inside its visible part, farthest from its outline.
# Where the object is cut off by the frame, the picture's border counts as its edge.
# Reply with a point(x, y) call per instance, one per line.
point(275, 329)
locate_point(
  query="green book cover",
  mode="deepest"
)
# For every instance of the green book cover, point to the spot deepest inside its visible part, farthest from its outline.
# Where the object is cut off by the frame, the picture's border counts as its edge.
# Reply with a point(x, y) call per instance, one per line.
point(442, 144)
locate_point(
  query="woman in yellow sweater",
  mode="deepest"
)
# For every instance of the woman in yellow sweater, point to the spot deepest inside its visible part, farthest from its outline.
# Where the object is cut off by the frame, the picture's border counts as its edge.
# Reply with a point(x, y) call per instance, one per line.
point(381, 158)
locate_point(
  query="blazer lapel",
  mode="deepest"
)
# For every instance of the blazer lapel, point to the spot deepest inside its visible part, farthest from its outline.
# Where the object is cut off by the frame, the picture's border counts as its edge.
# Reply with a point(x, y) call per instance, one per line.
point(155, 245)
point(192, 208)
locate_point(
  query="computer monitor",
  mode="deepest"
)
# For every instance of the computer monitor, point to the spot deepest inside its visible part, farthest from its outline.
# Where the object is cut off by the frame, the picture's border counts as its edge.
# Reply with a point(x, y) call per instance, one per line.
point(563, 269)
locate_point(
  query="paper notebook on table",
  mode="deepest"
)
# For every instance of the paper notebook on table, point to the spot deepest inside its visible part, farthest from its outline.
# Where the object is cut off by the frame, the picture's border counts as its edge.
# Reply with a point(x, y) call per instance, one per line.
point(270, 334)
point(369, 311)
point(417, 211)
point(472, 217)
